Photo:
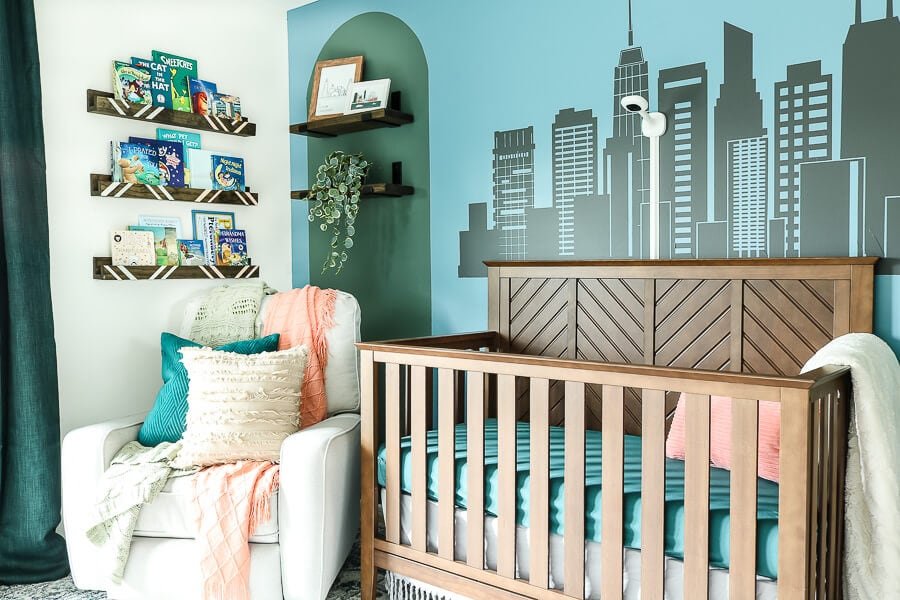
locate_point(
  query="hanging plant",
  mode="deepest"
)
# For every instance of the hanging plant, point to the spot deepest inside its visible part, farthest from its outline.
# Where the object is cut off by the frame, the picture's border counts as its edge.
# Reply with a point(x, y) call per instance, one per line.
point(335, 202)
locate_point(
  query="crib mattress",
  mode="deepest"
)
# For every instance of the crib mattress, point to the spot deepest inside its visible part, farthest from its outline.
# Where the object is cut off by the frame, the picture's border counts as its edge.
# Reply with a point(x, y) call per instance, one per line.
point(766, 589)
point(719, 505)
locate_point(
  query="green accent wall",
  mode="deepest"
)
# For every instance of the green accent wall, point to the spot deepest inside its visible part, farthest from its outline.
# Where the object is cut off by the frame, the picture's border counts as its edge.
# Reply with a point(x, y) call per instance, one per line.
point(389, 270)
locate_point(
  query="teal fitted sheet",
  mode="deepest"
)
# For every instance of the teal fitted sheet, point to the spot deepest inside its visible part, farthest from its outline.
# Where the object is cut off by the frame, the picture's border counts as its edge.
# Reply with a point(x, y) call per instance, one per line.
point(719, 488)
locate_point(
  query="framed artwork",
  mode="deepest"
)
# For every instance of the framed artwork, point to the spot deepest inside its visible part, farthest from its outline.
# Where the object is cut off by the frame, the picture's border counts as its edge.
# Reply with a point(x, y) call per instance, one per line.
point(368, 95)
point(206, 226)
point(331, 86)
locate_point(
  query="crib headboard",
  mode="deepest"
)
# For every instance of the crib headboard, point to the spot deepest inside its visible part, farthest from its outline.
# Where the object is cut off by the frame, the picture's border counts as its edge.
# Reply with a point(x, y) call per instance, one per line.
point(764, 316)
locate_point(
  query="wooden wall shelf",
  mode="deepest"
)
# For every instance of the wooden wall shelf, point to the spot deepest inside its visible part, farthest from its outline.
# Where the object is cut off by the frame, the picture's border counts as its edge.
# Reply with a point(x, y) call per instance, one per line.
point(104, 269)
point(105, 104)
point(367, 191)
point(334, 126)
point(103, 186)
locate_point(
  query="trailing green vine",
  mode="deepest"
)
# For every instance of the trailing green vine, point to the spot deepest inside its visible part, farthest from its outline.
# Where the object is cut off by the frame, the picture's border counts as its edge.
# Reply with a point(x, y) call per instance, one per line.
point(335, 202)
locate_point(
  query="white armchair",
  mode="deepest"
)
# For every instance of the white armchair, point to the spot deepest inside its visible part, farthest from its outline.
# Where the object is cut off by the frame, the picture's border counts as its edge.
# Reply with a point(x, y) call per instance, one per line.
point(315, 513)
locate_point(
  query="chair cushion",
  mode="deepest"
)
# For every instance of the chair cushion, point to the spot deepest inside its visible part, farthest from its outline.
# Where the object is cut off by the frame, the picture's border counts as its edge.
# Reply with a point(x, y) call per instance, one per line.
point(166, 420)
point(170, 515)
point(240, 407)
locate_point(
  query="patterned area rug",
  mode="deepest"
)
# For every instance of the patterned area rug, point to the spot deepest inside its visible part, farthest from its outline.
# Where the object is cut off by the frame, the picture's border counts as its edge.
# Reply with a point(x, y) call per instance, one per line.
point(346, 586)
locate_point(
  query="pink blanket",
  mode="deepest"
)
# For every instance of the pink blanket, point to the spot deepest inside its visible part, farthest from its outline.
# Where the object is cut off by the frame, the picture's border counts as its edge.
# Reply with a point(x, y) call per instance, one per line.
point(230, 502)
point(304, 316)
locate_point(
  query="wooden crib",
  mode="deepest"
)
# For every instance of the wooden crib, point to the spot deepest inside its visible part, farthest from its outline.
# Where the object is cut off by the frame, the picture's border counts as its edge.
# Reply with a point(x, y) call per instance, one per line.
point(611, 345)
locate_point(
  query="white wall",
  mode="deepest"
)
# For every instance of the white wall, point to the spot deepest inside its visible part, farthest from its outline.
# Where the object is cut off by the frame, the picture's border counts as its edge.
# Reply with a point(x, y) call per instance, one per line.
point(107, 332)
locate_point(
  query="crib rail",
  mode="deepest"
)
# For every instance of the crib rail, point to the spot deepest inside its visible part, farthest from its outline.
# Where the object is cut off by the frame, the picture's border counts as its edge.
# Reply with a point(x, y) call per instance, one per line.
point(470, 385)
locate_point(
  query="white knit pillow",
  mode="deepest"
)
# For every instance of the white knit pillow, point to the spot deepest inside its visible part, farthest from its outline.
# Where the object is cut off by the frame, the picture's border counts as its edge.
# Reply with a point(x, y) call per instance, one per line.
point(240, 406)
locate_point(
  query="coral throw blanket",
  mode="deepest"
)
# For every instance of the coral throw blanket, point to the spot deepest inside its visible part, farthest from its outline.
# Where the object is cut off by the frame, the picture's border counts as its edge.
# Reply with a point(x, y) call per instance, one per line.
point(230, 502)
point(304, 316)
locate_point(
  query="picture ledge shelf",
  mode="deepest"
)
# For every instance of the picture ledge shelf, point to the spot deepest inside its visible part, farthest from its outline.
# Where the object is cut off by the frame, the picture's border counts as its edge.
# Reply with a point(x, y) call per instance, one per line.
point(105, 270)
point(341, 124)
point(103, 186)
point(105, 104)
point(369, 190)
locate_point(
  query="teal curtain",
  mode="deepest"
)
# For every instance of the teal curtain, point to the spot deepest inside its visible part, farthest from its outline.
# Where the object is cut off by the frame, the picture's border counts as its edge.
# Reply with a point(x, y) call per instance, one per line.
point(30, 548)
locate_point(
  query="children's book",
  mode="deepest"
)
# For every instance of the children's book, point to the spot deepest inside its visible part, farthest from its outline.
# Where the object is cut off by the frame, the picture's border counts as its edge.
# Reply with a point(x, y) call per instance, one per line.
point(231, 247)
point(201, 94)
point(170, 160)
point(200, 162)
point(228, 173)
point(131, 83)
point(160, 84)
point(153, 221)
point(165, 243)
point(188, 141)
point(135, 163)
point(206, 227)
point(180, 68)
point(132, 248)
point(225, 106)
point(190, 253)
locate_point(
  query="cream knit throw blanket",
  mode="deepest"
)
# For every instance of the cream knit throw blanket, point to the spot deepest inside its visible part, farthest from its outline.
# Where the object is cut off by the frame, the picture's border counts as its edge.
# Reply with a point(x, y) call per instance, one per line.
point(872, 485)
point(227, 314)
point(134, 477)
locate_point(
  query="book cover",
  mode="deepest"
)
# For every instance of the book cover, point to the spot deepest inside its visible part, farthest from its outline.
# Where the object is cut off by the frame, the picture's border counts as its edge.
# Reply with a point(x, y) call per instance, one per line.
point(160, 85)
point(201, 94)
point(170, 160)
point(200, 163)
point(190, 253)
point(206, 226)
point(180, 68)
point(225, 106)
point(132, 248)
point(115, 155)
point(131, 83)
point(139, 163)
point(165, 243)
point(228, 173)
point(153, 221)
point(231, 248)
point(188, 141)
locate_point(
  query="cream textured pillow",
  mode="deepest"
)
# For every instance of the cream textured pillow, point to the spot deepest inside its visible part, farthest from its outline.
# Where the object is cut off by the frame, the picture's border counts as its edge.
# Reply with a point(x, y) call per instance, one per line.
point(240, 407)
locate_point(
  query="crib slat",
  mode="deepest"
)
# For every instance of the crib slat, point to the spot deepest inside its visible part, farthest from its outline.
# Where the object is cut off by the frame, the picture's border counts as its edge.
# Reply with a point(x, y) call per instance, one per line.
point(815, 497)
point(840, 472)
point(506, 475)
point(446, 463)
point(539, 524)
point(793, 495)
point(573, 530)
point(696, 497)
point(419, 465)
point(744, 425)
point(653, 482)
point(613, 446)
point(824, 529)
point(392, 443)
point(475, 469)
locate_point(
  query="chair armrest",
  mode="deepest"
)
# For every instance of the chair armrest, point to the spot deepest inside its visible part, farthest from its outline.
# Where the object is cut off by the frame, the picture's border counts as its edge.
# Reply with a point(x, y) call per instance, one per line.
point(318, 504)
point(86, 453)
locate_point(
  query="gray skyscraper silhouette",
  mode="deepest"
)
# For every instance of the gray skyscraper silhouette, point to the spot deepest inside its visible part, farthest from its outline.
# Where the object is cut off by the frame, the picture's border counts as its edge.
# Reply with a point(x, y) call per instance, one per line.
point(738, 111)
point(626, 158)
point(870, 123)
point(748, 183)
point(683, 150)
point(513, 189)
point(803, 133)
point(574, 168)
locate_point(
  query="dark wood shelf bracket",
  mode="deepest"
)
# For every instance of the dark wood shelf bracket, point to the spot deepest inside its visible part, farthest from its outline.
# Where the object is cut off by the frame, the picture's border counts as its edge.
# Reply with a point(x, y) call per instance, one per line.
point(105, 187)
point(105, 270)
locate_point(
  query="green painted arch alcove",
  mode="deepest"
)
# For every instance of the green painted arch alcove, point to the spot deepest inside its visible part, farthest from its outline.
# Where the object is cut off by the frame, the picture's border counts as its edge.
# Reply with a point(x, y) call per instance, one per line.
point(389, 270)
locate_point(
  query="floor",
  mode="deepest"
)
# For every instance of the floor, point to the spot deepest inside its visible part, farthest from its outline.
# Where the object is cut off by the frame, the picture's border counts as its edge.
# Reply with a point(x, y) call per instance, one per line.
point(346, 586)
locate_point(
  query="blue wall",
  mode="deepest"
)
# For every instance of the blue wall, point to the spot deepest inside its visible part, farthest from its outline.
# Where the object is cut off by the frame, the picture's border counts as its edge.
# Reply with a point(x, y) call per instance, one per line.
point(504, 65)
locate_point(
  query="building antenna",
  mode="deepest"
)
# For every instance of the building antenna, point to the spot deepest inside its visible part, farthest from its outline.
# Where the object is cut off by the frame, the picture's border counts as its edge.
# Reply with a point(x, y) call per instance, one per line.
point(890, 9)
point(858, 11)
point(631, 31)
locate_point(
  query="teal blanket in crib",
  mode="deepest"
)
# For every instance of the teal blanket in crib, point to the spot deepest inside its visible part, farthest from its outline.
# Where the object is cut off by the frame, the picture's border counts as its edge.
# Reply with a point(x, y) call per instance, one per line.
point(719, 488)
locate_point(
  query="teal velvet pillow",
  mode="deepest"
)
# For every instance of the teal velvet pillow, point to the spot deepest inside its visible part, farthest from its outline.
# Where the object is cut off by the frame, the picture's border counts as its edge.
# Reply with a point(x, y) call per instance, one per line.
point(166, 421)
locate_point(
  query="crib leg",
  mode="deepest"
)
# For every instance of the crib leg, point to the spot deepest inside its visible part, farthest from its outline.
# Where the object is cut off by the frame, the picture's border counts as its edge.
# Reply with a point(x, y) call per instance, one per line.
point(367, 577)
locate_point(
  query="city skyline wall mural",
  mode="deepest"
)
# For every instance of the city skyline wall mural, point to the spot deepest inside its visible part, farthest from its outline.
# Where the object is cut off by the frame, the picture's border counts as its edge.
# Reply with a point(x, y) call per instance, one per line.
point(782, 133)
point(787, 192)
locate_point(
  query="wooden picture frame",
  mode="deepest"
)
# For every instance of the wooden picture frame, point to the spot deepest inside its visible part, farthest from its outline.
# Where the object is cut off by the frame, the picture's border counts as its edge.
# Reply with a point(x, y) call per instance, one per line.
point(331, 84)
